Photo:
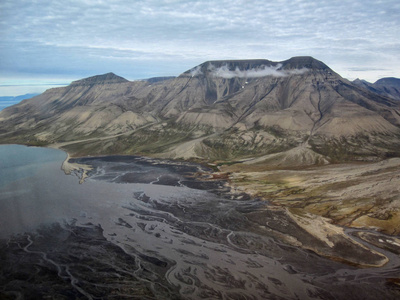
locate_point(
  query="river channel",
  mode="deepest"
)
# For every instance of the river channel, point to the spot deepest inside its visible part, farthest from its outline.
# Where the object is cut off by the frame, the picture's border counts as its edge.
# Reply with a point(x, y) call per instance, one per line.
point(140, 228)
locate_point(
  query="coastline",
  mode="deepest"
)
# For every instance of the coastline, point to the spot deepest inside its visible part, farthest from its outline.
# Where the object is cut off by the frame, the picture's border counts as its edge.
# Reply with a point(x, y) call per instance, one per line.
point(69, 167)
point(325, 232)
point(190, 231)
point(329, 235)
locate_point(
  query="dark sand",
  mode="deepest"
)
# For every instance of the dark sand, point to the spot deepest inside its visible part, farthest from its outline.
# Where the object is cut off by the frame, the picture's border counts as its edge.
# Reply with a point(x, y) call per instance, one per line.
point(171, 233)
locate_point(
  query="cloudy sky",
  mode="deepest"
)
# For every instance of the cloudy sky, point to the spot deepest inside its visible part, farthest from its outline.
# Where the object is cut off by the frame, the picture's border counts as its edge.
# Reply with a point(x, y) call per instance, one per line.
point(44, 43)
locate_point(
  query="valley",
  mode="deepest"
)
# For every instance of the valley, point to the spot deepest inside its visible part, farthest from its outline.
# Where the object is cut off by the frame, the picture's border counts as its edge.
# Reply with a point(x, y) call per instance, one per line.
point(290, 151)
point(158, 229)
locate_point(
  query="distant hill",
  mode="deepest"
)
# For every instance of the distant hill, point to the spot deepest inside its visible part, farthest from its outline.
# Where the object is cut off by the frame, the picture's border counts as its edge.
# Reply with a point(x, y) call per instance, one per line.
point(158, 79)
point(217, 111)
point(6, 101)
point(389, 86)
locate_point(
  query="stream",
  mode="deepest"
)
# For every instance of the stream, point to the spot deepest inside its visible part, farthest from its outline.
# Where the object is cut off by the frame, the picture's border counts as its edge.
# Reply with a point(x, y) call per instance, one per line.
point(140, 228)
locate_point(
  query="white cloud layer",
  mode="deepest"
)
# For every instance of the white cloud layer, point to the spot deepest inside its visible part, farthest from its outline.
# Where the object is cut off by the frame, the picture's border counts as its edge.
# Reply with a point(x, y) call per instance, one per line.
point(262, 71)
point(143, 38)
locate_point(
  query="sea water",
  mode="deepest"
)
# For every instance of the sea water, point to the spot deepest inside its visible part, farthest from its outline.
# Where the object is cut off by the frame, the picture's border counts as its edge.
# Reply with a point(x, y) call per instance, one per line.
point(34, 190)
point(18, 162)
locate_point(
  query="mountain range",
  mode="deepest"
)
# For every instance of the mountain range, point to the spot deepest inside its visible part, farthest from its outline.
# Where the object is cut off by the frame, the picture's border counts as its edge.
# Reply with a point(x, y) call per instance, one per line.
point(389, 86)
point(6, 101)
point(231, 110)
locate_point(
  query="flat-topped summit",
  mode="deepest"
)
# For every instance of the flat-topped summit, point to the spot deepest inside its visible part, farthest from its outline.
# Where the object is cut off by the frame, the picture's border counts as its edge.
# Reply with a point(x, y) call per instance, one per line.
point(244, 64)
point(212, 66)
point(219, 68)
point(304, 62)
point(108, 78)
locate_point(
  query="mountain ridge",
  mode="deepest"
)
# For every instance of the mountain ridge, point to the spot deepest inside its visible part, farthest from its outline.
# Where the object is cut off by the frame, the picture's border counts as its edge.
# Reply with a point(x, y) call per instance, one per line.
point(221, 110)
point(388, 81)
point(293, 132)
point(388, 86)
point(107, 78)
point(308, 62)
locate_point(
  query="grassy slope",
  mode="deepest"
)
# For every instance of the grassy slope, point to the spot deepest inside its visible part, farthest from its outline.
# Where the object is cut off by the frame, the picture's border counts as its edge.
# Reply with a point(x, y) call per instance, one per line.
point(351, 194)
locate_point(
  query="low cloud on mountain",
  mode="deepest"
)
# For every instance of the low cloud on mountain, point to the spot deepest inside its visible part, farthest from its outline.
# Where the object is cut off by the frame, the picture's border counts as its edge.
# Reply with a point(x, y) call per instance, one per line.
point(262, 71)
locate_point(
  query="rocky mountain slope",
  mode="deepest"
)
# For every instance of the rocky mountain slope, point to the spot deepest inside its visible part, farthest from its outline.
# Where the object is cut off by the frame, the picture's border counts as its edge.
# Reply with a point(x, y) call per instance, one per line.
point(389, 87)
point(217, 111)
point(293, 132)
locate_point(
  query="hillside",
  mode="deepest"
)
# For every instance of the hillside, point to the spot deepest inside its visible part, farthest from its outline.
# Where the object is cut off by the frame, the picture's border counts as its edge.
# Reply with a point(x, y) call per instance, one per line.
point(293, 132)
point(219, 110)
point(389, 87)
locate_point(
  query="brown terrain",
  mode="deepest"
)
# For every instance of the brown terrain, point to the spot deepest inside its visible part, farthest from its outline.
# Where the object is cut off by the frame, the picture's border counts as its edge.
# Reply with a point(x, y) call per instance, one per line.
point(324, 150)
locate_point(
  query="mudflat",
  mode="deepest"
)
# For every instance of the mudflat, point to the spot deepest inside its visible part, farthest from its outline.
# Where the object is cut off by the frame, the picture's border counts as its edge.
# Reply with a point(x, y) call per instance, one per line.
point(155, 229)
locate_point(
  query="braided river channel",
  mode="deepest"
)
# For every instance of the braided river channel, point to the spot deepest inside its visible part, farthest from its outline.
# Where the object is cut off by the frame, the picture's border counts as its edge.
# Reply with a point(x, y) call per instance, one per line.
point(141, 228)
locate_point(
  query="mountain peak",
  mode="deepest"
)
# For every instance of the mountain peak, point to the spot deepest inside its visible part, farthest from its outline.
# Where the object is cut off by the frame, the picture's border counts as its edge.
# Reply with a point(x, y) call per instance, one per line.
point(300, 62)
point(248, 67)
point(108, 78)
point(229, 65)
point(389, 81)
point(242, 64)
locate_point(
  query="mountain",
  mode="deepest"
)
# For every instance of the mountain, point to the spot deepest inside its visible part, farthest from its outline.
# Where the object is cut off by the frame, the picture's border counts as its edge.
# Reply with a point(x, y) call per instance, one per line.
point(217, 111)
point(158, 79)
point(11, 100)
point(109, 78)
point(389, 86)
point(389, 82)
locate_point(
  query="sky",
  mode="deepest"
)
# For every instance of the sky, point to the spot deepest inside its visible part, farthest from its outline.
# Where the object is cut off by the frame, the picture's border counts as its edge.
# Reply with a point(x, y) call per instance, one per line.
point(47, 43)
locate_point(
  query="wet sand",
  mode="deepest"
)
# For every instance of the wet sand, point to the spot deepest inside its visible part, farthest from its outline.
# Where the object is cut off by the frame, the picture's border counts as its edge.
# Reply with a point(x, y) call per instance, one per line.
point(172, 233)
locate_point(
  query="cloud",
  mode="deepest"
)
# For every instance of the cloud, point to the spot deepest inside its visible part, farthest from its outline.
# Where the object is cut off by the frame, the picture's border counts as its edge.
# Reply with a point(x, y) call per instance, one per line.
point(176, 35)
point(262, 71)
point(196, 71)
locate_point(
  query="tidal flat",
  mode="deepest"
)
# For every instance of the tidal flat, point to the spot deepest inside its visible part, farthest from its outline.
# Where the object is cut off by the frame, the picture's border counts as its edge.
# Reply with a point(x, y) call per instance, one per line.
point(141, 228)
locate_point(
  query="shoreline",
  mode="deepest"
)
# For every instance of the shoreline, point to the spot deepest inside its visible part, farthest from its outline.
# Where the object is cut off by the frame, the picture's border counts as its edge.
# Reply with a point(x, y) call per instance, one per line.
point(327, 233)
point(323, 232)
point(186, 233)
point(68, 167)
